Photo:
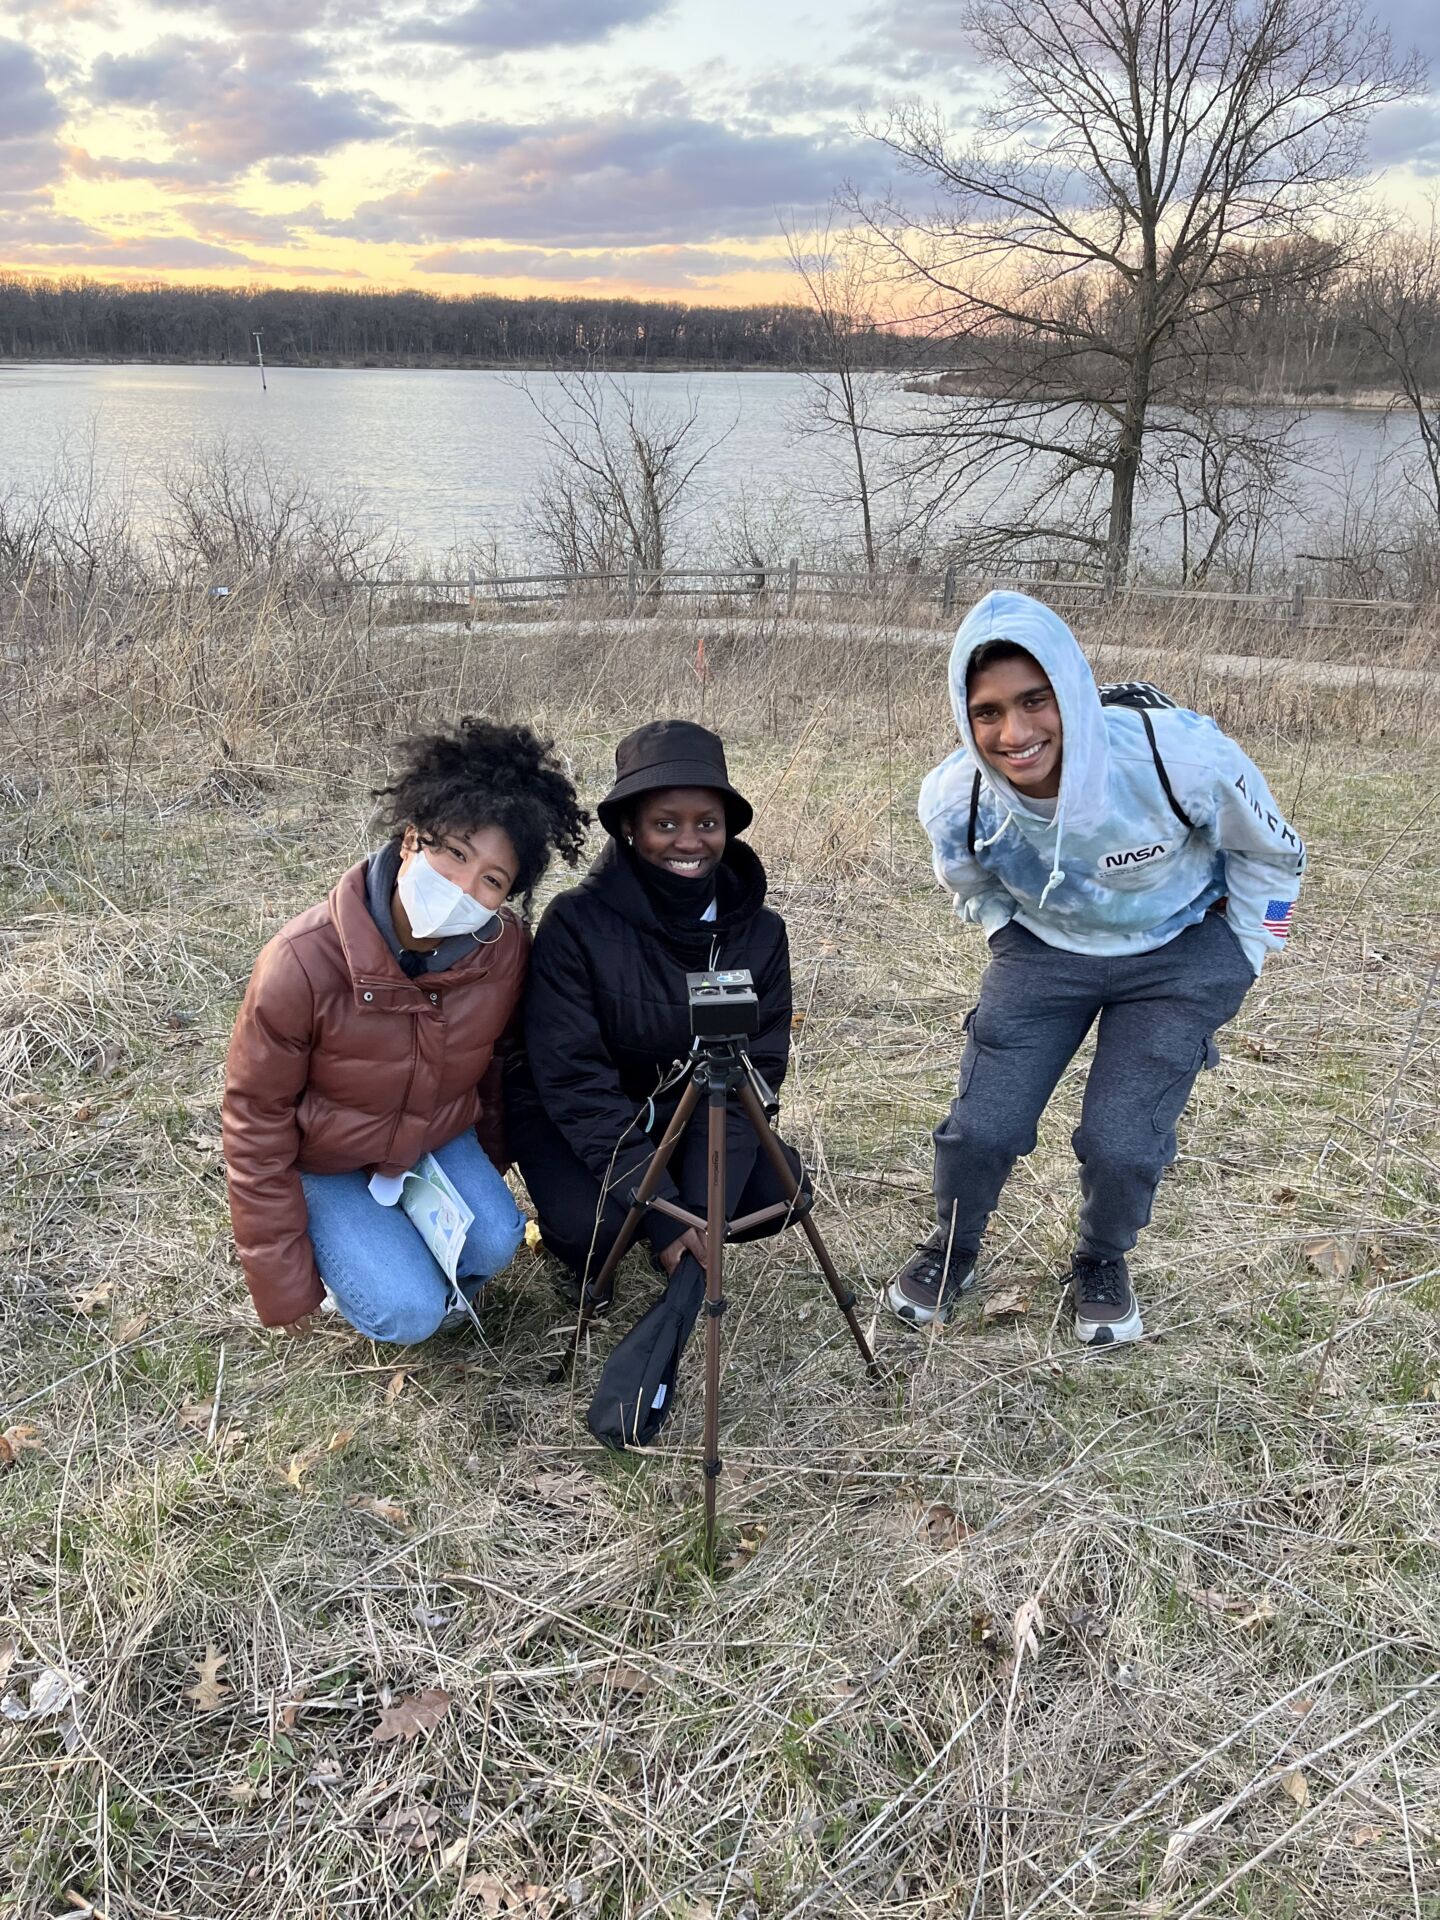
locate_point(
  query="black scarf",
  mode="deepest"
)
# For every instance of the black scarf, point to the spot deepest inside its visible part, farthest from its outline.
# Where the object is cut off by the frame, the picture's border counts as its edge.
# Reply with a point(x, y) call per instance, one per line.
point(677, 899)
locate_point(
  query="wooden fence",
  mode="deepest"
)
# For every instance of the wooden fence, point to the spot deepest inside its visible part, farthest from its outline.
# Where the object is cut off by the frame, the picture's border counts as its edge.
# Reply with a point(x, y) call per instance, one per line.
point(936, 596)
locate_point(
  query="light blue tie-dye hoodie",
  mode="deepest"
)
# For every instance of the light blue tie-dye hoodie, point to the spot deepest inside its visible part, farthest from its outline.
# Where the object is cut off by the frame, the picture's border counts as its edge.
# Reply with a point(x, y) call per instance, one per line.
point(1114, 871)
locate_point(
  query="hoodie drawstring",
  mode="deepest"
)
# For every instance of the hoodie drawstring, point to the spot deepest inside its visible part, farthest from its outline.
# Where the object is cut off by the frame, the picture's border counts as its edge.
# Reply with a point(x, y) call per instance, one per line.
point(1057, 872)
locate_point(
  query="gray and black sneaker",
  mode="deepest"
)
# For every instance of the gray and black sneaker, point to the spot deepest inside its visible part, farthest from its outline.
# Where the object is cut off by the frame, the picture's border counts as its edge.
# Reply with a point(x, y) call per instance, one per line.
point(1106, 1310)
point(931, 1281)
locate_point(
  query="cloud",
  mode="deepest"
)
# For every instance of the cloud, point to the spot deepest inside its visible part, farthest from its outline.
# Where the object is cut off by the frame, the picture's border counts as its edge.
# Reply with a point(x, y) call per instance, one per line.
point(681, 268)
point(231, 105)
point(1412, 23)
point(30, 117)
point(220, 221)
point(615, 181)
point(915, 40)
point(518, 26)
point(59, 242)
point(293, 173)
point(1407, 134)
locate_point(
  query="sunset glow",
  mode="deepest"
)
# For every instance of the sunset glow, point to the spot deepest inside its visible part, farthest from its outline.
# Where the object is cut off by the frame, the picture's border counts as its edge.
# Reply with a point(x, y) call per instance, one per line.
point(530, 146)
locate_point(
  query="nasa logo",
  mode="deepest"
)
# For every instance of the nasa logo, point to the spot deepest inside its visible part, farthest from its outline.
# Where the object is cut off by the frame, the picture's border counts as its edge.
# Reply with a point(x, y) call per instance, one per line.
point(1132, 856)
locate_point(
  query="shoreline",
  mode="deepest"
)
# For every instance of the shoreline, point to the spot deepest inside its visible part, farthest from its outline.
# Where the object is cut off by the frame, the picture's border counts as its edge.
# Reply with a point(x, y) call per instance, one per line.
point(10, 364)
point(958, 386)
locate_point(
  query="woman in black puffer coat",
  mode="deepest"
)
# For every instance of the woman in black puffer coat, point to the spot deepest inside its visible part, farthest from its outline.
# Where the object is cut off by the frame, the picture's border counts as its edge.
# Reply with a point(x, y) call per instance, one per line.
point(607, 1014)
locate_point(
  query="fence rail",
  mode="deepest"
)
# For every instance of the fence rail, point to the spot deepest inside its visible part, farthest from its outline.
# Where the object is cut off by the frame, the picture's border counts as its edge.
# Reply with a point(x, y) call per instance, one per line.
point(782, 589)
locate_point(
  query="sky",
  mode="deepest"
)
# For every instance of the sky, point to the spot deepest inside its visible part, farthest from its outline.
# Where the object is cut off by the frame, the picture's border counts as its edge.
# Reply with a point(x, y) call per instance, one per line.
point(530, 146)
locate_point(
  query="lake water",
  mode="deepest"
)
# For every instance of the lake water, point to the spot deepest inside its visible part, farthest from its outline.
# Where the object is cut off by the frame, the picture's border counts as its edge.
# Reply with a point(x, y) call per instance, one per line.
point(453, 460)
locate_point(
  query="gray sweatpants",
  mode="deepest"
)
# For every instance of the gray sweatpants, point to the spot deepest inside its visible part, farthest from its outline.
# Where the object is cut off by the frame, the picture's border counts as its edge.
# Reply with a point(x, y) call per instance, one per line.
point(1158, 1013)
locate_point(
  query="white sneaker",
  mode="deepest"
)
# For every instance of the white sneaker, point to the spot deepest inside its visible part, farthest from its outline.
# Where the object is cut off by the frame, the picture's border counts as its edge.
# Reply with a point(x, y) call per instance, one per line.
point(1106, 1310)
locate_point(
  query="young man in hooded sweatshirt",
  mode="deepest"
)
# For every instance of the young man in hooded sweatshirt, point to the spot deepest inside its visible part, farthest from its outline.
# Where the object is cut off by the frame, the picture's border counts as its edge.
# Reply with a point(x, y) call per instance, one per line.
point(1128, 866)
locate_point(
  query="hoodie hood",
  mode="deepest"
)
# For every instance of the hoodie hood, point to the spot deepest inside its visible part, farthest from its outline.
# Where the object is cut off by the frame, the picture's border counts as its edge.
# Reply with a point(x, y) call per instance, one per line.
point(1085, 750)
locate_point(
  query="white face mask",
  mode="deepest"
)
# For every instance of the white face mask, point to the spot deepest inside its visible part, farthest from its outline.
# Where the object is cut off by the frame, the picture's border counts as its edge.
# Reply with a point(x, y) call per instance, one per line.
point(435, 906)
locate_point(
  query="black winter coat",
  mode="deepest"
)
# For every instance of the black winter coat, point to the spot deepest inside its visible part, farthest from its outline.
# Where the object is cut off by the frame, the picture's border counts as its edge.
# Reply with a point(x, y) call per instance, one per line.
point(607, 1012)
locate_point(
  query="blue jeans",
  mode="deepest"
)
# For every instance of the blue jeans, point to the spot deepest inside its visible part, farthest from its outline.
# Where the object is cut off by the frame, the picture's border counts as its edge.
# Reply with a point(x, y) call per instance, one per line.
point(384, 1278)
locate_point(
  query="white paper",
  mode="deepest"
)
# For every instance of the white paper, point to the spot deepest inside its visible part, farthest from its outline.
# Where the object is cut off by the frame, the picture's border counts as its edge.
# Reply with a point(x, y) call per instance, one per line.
point(387, 1187)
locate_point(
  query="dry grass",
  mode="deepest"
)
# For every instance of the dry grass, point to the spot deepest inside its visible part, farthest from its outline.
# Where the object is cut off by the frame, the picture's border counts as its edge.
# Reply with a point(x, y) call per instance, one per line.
point(1231, 1534)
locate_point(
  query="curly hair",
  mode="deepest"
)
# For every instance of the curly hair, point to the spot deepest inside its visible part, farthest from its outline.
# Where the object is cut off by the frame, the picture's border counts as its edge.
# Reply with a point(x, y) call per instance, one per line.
point(485, 774)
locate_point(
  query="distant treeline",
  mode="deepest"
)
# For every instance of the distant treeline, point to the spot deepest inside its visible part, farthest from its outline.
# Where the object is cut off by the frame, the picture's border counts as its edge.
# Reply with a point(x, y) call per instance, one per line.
point(80, 318)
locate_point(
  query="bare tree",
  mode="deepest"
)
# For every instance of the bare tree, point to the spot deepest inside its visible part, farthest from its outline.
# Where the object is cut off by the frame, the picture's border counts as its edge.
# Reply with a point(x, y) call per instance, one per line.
point(1400, 311)
point(839, 287)
point(1144, 169)
point(621, 468)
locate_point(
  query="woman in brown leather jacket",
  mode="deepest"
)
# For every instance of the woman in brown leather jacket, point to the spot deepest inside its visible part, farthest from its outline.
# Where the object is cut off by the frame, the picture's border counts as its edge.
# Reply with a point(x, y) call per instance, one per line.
point(367, 1039)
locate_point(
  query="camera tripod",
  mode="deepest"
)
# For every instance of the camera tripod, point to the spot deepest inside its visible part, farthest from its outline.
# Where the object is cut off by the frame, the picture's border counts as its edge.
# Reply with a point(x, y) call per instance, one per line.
point(718, 1068)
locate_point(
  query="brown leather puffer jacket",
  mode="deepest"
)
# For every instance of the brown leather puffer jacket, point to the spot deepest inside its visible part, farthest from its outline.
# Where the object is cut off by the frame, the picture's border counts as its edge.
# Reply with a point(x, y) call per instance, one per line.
point(339, 1062)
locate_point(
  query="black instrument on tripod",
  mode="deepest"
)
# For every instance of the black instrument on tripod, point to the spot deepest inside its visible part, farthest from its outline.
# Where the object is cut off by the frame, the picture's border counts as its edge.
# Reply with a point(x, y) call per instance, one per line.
point(637, 1386)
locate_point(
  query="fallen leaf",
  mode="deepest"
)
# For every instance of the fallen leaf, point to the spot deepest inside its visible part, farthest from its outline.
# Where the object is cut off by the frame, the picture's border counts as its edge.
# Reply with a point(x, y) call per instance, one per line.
point(195, 1416)
point(232, 1440)
point(326, 1773)
point(1332, 1259)
point(83, 1112)
point(410, 1827)
point(411, 1714)
point(844, 1690)
point(570, 1489)
point(1284, 1196)
point(1301, 1706)
point(1005, 1303)
point(17, 1440)
point(749, 1543)
point(1241, 1612)
point(1296, 1785)
point(396, 1385)
point(944, 1527)
point(983, 1631)
point(1365, 1836)
point(290, 1711)
point(130, 1329)
point(205, 1142)
point(504, 1897)
point(389, 1511)
point(1086, 1623)
point(301, 1463)
point(340, 1439)
point(1028, 1626)
point(209, 1690)
point(624, 1678)
point(88, 1301)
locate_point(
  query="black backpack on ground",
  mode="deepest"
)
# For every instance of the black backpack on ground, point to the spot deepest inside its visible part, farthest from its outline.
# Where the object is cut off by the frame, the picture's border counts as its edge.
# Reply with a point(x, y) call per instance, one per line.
point(1141, 698)
point(636, 1394)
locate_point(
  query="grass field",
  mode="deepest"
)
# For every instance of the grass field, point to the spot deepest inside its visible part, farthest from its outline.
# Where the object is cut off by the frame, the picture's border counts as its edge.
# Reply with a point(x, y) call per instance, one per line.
point(324, 1629)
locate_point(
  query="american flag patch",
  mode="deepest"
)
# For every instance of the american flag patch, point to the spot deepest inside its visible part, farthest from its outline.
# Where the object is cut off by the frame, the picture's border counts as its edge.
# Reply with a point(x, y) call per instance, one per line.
point(1277, 918)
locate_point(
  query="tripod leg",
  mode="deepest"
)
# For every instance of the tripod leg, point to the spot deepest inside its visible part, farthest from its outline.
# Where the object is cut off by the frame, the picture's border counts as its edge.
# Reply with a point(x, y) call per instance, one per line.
point(654, 1174)
point(844, 1298)
point(714, 1303)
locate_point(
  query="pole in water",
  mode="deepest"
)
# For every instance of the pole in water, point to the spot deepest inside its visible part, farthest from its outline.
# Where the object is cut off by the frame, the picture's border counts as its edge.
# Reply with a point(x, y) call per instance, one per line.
point(260, 360)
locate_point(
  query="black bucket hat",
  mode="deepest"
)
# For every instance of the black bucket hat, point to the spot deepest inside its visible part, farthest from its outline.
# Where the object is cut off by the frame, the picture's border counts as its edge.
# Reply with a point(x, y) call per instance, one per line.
point(671, 753)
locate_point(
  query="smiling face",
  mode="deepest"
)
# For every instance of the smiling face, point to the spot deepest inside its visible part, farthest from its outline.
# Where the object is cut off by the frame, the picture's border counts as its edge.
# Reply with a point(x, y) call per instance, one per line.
point(482, 862)
point(1015, 719)
point(680, 829)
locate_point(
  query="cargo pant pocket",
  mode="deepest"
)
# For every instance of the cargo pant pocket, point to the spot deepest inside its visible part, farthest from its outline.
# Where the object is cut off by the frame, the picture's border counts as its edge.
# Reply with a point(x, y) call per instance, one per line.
point(1171, 1104)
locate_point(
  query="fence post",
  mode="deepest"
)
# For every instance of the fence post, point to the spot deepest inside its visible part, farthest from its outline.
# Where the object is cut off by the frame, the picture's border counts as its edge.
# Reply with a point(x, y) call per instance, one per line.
point(632, 584)
point(947, 592)
point(1297, 604)
point(792, 585)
